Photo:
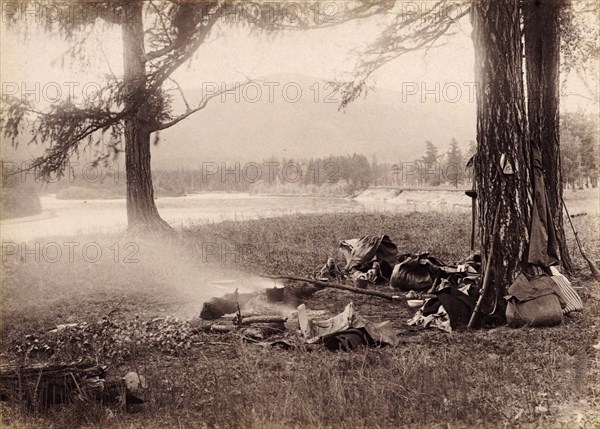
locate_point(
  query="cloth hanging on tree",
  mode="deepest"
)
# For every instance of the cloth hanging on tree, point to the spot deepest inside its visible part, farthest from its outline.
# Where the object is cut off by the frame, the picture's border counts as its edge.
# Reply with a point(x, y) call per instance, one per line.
point(543, 245)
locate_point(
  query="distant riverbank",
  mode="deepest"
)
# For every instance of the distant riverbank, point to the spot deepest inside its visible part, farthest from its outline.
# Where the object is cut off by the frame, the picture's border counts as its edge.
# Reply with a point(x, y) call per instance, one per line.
point(72, 217)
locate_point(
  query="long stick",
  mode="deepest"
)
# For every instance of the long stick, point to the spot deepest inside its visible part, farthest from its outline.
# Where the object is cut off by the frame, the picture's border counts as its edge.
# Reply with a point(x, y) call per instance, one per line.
point(338, 286)
point(263, 319)
point(591, 264)
point(473, 220)
point(486, 276)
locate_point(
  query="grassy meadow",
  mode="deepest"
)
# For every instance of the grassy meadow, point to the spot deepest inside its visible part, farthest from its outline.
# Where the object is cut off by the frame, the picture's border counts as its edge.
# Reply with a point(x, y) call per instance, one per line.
point(135, 311)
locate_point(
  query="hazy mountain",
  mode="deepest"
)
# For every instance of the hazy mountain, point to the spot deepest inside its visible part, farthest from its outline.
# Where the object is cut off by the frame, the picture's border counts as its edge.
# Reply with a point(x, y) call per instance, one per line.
point(257, 126)
point(383, 123)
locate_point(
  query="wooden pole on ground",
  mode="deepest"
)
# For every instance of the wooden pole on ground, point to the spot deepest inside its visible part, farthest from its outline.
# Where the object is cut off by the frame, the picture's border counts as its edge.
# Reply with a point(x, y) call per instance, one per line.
point(338, 286)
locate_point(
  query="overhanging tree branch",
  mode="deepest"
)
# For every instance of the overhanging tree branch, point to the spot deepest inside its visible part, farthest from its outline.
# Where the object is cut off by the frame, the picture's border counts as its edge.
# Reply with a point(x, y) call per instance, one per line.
point(157, 40)
point(203, 103)
point(403, 35)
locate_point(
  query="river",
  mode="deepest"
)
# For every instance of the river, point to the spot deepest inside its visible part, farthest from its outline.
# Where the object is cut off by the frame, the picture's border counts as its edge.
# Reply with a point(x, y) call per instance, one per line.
point(64, 218)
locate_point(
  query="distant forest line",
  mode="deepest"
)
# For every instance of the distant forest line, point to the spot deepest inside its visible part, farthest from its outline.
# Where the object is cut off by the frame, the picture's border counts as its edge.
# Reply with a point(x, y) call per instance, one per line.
point(335, 176)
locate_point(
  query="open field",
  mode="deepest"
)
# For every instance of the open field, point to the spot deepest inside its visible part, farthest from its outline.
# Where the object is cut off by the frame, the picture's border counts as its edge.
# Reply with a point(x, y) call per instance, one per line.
point(494, 378)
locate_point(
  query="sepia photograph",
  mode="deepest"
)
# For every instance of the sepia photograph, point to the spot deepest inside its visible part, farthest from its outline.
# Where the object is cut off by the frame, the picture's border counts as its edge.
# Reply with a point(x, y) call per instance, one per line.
point(333, 214)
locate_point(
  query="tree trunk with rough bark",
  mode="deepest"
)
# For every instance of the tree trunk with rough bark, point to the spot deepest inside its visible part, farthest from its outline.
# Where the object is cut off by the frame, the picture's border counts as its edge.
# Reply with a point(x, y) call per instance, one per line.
point(542, 58)
point(142, 214)
point(501, 129)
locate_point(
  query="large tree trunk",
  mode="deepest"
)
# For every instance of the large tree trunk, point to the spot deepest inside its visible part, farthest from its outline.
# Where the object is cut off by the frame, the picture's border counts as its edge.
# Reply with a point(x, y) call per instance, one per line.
point(501, 129)
point(142, 214)
point(542, 59)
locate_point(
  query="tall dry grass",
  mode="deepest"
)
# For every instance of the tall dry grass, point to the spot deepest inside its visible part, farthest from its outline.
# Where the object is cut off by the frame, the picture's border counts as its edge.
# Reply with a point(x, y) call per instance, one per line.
point(495, 378)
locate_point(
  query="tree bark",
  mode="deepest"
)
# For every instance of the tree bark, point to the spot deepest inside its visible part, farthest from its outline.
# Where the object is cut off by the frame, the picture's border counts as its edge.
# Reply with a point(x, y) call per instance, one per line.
point(542, 58)
point(142, 214)
point(501, 129)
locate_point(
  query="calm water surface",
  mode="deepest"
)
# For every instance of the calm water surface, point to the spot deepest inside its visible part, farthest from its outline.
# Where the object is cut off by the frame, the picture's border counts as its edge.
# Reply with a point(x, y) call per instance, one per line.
point(72, 217)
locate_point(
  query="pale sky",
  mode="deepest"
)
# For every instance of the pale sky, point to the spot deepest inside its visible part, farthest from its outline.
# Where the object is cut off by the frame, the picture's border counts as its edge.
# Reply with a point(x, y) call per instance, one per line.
point(233, 54)
point(322, 53)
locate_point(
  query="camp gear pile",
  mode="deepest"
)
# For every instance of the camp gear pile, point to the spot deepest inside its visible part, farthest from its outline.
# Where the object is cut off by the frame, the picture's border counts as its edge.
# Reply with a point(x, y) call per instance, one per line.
point(449, 293)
